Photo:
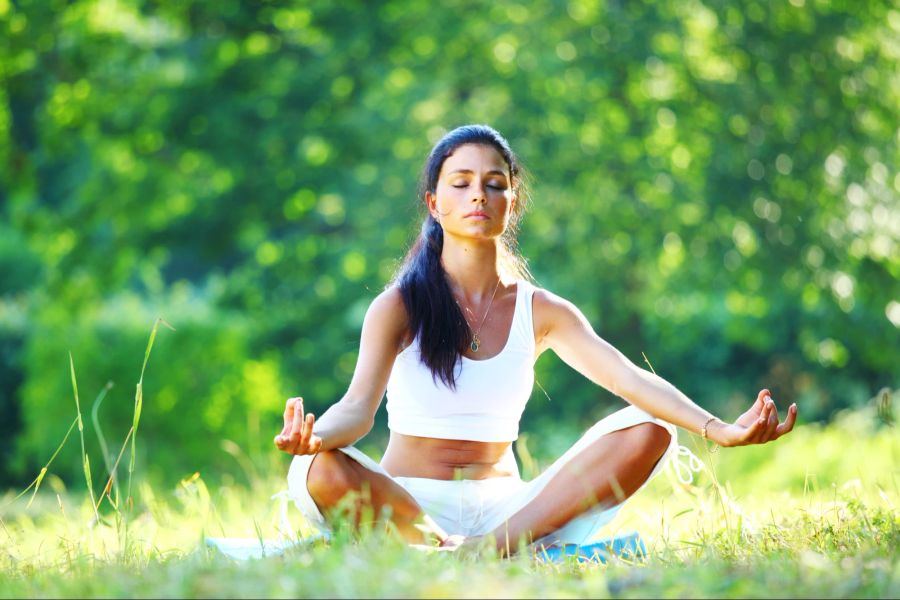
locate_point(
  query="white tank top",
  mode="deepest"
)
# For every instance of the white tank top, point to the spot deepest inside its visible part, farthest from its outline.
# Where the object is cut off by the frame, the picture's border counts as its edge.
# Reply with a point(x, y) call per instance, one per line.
point(490, 394)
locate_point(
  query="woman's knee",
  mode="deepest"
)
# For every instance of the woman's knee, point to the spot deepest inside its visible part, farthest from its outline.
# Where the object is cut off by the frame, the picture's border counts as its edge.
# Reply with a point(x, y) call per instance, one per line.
point(329, 478)
point(649, 440)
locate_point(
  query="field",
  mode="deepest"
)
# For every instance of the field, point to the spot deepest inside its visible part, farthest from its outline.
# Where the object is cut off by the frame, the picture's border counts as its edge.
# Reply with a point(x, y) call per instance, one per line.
point(813, 515)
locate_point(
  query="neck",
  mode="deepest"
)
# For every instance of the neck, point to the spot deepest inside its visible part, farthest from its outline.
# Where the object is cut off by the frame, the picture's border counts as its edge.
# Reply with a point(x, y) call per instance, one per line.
point(471, 266)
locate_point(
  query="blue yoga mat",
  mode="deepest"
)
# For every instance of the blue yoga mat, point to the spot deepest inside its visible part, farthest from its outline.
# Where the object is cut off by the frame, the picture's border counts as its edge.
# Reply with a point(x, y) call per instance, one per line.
point(627, 546)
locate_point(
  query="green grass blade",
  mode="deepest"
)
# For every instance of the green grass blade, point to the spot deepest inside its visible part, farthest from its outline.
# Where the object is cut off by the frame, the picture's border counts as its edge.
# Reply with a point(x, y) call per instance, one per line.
point(138, 407)
point(84, 457)
point(37, 481)
point(115, 468)
point(37, 484)
point(139, 404)
point(95, 410)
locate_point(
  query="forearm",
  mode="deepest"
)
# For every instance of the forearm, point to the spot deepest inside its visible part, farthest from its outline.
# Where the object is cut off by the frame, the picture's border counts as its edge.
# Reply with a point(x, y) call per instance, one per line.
point(342, 425)
point(655, 395)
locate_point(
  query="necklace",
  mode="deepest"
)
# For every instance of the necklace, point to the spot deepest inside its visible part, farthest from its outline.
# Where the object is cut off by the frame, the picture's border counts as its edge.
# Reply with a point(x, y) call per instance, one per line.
point(476, 341)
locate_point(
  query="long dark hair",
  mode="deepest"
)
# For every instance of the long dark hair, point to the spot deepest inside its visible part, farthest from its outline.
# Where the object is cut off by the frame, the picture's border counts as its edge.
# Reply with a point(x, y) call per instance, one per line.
point(435, 319)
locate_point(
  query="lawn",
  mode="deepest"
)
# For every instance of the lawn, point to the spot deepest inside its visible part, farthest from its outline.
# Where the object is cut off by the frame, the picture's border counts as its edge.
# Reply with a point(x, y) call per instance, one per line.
point(813, 515)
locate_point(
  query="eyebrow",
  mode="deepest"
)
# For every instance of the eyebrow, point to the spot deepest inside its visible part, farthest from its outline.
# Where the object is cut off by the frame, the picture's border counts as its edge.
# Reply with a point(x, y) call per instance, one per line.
point(470, 172)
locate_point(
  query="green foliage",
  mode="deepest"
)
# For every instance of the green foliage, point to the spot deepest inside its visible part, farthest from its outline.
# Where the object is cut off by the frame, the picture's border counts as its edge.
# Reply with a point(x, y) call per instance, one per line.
point(715, 184)
point(178, 433)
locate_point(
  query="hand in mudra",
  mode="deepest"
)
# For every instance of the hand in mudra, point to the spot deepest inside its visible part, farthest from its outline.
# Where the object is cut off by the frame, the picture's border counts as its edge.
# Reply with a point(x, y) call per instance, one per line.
point(756, 426)
point(297, 436)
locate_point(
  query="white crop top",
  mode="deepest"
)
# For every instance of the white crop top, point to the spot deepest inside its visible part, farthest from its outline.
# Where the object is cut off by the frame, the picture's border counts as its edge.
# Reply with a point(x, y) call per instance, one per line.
point(490, 394)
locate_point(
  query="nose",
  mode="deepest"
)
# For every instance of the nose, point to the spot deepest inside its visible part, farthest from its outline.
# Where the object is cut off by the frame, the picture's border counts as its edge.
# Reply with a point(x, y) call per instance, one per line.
point(480, 195)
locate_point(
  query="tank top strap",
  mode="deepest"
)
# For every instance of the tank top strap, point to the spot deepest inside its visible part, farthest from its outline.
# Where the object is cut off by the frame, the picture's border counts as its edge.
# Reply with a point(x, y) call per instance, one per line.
point(523, 322)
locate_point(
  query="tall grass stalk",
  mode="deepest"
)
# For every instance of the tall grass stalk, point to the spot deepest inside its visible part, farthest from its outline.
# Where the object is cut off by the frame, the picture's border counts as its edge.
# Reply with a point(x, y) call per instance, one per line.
point(40, 477)
point(138, 406)
point(104, 448)
point(85, 460)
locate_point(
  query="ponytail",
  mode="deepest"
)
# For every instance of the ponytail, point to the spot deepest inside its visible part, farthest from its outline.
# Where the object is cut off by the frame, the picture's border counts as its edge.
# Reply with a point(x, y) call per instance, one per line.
point(434, 316)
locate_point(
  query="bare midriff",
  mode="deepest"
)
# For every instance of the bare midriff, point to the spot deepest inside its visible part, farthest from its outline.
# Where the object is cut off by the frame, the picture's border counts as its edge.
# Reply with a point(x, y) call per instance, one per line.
point(433, 458)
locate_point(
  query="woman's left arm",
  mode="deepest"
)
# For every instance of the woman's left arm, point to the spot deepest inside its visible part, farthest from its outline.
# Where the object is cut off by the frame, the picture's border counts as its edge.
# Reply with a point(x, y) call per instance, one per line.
point(561, 327)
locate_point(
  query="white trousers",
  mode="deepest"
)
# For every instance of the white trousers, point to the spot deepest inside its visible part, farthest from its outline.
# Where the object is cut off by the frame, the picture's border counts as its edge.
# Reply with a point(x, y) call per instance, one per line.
point(471, 507)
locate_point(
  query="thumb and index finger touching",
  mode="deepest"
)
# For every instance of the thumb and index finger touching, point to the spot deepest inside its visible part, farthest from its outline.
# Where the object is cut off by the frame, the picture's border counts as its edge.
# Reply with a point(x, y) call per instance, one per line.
point(768, 414)
point(771, 411)
point(297, 435)
point(292, 409)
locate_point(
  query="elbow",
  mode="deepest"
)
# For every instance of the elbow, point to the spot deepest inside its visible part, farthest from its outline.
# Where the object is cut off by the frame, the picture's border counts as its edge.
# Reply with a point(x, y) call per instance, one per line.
point(361, 426)
point(366, 426)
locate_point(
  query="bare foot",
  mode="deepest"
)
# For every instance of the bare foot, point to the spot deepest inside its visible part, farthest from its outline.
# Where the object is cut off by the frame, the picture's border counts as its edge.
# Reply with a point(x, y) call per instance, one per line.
point(466, 546)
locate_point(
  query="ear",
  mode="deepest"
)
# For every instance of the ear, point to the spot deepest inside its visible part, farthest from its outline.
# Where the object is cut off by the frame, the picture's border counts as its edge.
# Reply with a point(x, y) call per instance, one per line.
point(431, 203)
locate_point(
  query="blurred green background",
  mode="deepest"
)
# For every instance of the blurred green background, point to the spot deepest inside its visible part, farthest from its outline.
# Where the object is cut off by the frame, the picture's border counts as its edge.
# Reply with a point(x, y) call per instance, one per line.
point(715, 184)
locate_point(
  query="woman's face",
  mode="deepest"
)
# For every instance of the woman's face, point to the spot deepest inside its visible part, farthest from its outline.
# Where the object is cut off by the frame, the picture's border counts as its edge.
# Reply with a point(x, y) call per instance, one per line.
point(474, 196)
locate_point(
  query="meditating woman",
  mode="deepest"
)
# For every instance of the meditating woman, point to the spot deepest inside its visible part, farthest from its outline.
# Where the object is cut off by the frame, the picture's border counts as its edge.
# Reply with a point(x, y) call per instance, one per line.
point(453, 341)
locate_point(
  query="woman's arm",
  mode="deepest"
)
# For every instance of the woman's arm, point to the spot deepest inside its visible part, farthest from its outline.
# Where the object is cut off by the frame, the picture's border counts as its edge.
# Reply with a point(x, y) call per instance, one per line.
point(560, 326)
point(353, 415)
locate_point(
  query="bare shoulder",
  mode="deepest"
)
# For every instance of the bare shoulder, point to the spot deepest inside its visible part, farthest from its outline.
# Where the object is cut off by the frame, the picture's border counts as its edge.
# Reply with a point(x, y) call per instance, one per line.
point(388, 301)
point(387, 314)
point(550, 310)
point(552, 305)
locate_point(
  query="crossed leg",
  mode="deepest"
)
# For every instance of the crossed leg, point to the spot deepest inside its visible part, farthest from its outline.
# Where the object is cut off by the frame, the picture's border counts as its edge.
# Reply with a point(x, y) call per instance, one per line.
point(333, 475)
point(605, 473)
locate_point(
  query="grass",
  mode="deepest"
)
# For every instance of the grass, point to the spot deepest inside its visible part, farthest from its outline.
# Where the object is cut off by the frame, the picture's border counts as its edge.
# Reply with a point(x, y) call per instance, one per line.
point(813, 515)
point(838, 537)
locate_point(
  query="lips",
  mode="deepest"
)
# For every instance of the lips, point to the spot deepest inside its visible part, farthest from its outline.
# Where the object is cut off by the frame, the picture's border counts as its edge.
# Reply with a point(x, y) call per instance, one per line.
point(476, 214)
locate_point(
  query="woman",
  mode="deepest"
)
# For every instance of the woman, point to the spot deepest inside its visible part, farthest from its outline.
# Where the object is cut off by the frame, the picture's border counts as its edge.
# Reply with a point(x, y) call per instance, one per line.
point(453, 341)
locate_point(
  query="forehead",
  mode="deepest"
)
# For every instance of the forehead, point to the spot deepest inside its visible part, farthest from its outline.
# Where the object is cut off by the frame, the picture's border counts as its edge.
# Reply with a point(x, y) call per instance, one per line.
point(478, 158)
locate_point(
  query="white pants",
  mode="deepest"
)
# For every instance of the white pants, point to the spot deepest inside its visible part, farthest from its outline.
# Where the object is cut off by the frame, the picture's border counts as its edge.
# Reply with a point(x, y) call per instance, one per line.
point(471, 507)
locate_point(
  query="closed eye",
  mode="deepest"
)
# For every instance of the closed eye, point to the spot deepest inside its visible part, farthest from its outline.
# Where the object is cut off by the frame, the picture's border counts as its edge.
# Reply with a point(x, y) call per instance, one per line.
point(493, 187)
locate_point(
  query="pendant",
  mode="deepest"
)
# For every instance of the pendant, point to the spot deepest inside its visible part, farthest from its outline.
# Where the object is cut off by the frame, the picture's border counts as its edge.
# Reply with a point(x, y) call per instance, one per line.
point(475, 343)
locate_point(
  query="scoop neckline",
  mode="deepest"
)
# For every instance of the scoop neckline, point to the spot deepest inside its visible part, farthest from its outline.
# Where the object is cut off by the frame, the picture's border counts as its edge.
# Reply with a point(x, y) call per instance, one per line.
point(509, 335)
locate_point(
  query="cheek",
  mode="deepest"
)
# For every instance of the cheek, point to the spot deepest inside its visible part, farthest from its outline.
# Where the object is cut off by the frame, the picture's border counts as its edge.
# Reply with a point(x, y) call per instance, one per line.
point(446, 200)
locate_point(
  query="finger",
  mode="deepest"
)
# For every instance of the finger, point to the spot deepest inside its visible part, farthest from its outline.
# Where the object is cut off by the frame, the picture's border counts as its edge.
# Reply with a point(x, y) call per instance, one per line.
point(759, 425)
point(316, 444)
point(296, 427)
point(772, 422)
point(281, 438)
point(760, 403)
point(307, 431)
point(288, 416)
point(789, 421)
point(297, 420)
point(750, 433)
point(289, 411)
point(766, 416)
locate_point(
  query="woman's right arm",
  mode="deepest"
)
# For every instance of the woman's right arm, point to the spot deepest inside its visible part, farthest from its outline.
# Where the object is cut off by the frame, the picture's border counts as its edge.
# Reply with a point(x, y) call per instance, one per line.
point(352, 417)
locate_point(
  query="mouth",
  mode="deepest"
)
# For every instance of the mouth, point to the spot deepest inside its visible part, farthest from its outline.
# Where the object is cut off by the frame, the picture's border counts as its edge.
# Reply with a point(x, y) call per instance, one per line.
point(477, 215)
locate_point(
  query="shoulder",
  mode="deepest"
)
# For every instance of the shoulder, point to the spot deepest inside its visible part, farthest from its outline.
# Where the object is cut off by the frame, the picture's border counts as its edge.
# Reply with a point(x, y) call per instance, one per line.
point(387, 314)
point(388, 306)
point(546, 302)
point(552, 310)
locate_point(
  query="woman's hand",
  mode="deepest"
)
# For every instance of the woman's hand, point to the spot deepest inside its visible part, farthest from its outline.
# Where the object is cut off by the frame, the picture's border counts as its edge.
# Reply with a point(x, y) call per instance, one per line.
point(297, 437)
point(756, 426)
